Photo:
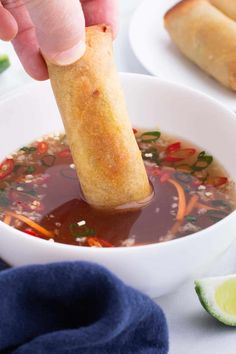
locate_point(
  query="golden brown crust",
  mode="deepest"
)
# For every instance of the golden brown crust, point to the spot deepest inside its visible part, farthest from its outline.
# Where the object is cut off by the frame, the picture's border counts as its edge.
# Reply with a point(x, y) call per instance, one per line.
point(180, 7)
point(91, 102)
point(207, 37)
point(228, 7)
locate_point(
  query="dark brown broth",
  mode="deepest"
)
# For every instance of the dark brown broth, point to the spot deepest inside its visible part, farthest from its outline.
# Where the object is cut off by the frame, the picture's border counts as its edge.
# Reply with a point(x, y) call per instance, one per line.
point(43, 187)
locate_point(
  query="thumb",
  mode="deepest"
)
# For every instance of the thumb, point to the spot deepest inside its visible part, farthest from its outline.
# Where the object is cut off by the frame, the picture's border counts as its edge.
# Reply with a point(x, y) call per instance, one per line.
point(60, 29)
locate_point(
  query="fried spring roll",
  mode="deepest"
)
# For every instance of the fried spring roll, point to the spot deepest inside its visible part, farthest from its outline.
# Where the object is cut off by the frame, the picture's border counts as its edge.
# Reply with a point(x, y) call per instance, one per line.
point(228, 7)
point(90, 99)
point(205, 36)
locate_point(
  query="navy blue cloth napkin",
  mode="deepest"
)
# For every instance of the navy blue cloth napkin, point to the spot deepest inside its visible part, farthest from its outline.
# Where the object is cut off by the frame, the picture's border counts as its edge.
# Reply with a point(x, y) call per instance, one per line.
point(76, 308)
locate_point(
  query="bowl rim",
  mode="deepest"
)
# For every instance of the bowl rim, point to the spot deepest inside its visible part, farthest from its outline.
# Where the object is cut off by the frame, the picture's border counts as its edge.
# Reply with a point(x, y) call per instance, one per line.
point(21, 91)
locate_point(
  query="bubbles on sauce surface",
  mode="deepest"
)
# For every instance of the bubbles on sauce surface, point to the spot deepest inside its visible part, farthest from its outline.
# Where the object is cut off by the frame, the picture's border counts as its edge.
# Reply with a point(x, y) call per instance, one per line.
point(40, 195)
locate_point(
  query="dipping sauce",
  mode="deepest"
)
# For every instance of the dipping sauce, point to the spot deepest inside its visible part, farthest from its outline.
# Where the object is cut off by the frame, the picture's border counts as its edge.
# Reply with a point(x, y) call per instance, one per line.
point(41, 196)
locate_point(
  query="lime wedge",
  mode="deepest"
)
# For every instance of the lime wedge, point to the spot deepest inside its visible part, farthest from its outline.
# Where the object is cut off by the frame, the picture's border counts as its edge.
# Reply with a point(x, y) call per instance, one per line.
point(218, 297)
point(4, 62)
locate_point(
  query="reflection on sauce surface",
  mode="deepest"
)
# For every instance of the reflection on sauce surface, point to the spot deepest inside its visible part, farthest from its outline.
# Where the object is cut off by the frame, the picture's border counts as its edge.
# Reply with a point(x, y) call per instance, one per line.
point(40, 195)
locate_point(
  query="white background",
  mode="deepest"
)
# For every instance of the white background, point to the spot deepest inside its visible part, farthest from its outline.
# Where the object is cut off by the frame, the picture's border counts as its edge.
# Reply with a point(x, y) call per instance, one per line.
point(192, 330)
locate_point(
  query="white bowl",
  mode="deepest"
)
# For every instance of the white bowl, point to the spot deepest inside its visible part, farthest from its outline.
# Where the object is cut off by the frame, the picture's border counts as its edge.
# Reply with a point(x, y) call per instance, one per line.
point(154, 269)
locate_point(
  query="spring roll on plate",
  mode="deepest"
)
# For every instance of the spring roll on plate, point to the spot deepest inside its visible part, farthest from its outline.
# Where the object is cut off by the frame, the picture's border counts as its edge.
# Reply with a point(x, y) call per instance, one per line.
point(89, 96)
point(206, 36)
point(226, 6)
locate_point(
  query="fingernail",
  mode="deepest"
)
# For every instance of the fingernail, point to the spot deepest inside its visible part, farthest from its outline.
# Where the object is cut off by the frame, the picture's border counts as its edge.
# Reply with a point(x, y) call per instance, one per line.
point(69, 56)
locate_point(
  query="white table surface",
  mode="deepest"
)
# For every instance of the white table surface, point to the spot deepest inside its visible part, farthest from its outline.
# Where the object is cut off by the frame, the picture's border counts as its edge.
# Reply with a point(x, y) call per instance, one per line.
point(192, 330)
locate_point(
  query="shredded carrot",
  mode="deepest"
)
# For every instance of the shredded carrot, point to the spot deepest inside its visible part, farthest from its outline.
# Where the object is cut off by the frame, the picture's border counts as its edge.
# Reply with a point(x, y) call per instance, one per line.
point(7, 219)
point(182, 200)
point(31, 223)
point(204, 206)
point(173, 231)
point(98, 242)
point(191, 204)
point(93, 242)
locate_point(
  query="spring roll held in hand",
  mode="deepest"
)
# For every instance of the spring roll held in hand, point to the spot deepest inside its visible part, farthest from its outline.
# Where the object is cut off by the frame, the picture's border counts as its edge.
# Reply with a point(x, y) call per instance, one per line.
point(88, 93)
point(228, 7)
point(206, 36)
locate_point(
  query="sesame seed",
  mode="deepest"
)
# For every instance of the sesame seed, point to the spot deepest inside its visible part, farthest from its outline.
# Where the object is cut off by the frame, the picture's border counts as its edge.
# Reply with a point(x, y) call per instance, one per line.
point(174, 205)
point(148, 154)
point(208, 194)
point(201, 188)
point(58, 224)
point(81, 223)
point(175, 197)
point(72, 166)
point(20, 189)
point(81, 239)
point(157, 210)
point(51, 240)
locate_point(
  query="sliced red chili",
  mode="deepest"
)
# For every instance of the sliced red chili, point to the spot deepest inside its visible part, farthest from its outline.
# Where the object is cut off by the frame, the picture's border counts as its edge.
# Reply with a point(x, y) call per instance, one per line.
point(6, 168)
point(31, 232)
point(42, 148)
point(65, 153)
point(216, 181)
point(180, 155)
point(173, 147)
point(98, 242)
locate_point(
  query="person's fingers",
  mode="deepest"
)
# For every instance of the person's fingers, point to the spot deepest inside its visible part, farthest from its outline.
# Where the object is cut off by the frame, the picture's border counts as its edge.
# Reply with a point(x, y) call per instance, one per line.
point(8, 25)
point(25, 42)
point(101, 11)
point(60, 29)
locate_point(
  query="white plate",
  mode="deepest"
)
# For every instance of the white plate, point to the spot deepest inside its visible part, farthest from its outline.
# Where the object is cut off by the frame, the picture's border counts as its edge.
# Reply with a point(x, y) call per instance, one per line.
point(153, 47)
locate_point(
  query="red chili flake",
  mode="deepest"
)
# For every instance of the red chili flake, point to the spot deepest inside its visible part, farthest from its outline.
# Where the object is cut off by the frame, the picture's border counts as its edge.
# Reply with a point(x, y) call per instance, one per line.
point(42, 148)
point(65, 153)
point(98, 242)
point(216, 181)
point(135, 130)
point(173, 147)
point(31, 232)
point(180, 155)
point(6, 168)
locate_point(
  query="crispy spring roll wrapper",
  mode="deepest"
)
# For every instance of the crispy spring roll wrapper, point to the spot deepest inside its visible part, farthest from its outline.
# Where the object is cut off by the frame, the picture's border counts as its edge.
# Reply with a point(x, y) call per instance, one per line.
point(228, 7)
point(90, 99)
point(206, 36)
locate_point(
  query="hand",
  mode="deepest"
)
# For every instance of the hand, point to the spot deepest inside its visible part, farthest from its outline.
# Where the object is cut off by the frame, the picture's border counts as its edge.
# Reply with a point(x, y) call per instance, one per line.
point(55, 28)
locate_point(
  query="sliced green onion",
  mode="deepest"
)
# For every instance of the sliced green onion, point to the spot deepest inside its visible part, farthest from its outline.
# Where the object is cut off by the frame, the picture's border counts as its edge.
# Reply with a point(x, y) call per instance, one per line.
point(150, 137)
point(203, 161)
point(81, 231)
point(216, 215)
point(48, 160)
point(191, 218)
point(30, 169)
point(28, 150)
